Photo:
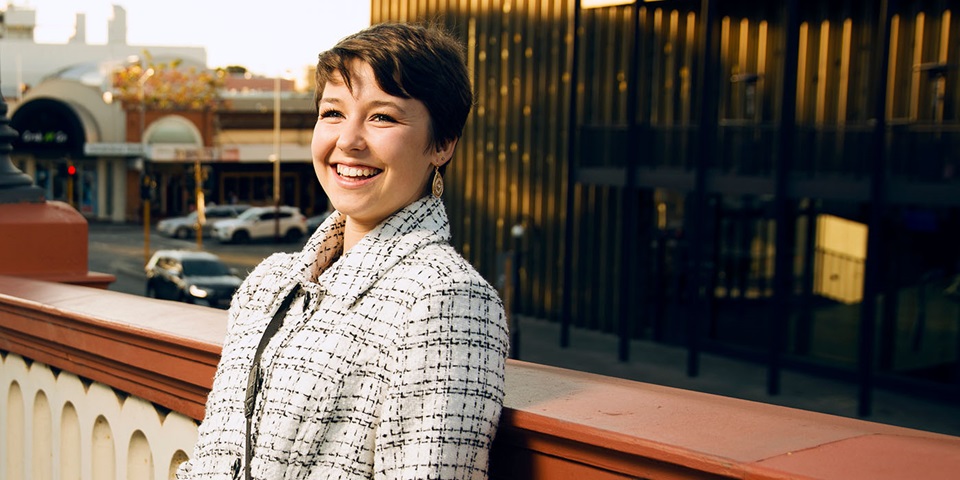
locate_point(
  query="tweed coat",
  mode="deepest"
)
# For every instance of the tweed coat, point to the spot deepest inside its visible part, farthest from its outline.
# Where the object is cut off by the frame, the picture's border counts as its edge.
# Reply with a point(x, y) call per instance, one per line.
point(389, 363)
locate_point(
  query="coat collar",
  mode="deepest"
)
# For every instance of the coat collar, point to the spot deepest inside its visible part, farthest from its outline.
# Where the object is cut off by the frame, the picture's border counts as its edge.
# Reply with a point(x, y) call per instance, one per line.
point(419, 224)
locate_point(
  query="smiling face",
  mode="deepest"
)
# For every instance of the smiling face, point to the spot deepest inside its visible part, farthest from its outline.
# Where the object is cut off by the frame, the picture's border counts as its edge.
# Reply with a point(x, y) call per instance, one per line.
point(371, 150)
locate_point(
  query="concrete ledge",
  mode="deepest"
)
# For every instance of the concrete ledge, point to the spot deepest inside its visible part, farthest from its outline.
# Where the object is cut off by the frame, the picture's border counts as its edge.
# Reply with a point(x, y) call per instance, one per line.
point(558, 420)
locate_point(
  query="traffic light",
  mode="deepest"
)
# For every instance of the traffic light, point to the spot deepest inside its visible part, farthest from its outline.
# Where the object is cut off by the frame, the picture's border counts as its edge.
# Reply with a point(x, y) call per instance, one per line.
point(146, 187)
point(190, 180)
point(66, 169)
point(207, 178)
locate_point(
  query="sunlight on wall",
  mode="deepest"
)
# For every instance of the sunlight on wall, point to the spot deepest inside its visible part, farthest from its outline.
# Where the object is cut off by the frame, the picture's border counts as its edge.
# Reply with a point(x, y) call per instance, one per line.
point(841, 250)
point(603, 3)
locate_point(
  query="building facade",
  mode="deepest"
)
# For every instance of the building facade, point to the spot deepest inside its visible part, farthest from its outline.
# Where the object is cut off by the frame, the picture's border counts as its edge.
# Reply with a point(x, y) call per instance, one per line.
point(774, 181)
point(104, 154)
point(25, 63)
point(60, 106)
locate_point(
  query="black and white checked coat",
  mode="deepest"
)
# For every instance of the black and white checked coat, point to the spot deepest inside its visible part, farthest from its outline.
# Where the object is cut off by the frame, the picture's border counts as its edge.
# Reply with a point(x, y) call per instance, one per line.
point(389, 364)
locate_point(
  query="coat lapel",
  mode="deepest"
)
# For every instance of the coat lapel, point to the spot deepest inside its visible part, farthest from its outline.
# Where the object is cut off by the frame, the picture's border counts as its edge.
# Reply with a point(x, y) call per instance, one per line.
point(419, 224)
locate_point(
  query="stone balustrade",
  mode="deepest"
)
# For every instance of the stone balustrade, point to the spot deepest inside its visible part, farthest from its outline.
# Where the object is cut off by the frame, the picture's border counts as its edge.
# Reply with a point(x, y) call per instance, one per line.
point(100, 385)
point(61, 426)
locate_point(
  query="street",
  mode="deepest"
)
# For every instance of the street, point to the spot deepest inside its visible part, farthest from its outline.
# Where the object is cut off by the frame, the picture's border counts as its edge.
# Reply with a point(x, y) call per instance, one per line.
point(118, 249)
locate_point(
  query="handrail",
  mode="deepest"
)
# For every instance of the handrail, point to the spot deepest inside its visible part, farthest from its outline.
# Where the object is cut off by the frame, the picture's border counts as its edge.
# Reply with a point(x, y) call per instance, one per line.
point(650, 431)
point(163, 352)
point(556, 423)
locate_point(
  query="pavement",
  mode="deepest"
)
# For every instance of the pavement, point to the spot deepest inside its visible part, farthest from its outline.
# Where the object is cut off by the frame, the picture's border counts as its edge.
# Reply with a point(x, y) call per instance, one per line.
point(661, 364)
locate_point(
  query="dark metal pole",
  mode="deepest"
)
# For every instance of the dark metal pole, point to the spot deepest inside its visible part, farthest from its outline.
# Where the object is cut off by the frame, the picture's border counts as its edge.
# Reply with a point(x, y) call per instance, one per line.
point(567, 272)
point(878, 185)
point(629, 198)
point(707, 126)
point(784, 213)
point(804, 330)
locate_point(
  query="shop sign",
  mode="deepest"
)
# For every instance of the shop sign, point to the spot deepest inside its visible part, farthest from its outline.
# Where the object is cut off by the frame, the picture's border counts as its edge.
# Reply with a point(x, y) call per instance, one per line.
point(52, 137)
point(181, 153)
point(113, 149)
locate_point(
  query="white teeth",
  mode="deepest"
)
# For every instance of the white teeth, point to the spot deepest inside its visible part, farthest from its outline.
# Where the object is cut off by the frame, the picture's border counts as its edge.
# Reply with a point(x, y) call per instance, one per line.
point(346, 171)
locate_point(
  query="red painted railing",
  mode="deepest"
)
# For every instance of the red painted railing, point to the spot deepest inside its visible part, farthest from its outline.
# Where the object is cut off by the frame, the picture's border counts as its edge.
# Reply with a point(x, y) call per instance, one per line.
point(556, 424)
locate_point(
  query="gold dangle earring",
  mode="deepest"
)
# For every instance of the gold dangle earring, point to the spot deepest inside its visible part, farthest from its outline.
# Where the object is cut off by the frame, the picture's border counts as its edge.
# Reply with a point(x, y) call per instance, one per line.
point(437, 180)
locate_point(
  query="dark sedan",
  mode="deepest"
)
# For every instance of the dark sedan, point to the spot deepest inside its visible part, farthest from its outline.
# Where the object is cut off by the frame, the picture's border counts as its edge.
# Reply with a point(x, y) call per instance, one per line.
point(192, 277)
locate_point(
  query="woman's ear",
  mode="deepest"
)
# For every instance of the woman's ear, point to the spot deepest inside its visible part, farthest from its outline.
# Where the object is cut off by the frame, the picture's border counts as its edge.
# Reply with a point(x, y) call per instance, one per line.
point(445, 151)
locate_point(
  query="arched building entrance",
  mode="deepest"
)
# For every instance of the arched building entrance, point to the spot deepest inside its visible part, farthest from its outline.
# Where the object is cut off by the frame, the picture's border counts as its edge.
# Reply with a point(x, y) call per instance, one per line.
point(52, 133)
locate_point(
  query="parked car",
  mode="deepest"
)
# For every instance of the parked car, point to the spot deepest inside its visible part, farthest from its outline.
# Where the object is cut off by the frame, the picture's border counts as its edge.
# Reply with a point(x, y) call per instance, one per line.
point(260, 223)
point(185, 227)
point(191, 277)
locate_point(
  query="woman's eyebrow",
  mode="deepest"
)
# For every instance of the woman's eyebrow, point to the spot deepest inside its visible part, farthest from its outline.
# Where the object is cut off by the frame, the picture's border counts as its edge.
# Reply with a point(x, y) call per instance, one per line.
point(388, 103)
point(372, 104)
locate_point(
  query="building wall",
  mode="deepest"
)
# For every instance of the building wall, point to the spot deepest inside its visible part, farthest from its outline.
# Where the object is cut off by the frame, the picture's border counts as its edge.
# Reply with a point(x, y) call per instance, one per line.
point(676, 194)
point(29, 62)
point(26, 62)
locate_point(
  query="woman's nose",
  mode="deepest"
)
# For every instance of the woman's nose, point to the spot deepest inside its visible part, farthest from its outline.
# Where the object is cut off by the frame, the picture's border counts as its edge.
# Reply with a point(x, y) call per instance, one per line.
point(351, 136)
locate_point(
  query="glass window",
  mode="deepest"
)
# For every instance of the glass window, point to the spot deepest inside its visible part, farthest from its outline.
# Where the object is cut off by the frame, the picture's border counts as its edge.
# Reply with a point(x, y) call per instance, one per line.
point(204, 268)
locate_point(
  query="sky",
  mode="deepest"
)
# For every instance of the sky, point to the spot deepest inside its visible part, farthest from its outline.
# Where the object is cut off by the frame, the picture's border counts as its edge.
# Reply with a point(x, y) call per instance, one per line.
point(269, 37)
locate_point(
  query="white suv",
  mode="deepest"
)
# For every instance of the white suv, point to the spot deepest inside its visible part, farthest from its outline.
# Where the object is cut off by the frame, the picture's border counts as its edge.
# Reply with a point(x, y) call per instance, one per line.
point(259, 223)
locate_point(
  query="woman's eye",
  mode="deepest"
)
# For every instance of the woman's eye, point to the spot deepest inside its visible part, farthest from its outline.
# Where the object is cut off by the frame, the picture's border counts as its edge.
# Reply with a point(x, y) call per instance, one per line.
point(331, 114)
point(380, 117)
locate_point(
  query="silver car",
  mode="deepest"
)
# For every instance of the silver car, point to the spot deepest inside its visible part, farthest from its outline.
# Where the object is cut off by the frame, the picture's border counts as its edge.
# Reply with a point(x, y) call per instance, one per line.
point(186, 227)
point(263, 223)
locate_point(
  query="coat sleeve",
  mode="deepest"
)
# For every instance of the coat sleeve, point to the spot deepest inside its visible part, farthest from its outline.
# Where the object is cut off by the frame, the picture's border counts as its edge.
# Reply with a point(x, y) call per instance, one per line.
point(444, 397)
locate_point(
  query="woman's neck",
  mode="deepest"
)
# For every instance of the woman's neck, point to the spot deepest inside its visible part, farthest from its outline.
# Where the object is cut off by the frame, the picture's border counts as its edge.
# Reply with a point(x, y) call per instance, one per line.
point(353, 231)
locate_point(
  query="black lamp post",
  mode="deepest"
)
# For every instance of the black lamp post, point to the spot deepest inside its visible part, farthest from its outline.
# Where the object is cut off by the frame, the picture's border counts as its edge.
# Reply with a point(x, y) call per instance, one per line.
point(15, 186)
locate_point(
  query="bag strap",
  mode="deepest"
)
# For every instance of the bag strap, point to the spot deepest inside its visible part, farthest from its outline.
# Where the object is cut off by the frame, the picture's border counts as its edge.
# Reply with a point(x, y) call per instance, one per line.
point(255, 378)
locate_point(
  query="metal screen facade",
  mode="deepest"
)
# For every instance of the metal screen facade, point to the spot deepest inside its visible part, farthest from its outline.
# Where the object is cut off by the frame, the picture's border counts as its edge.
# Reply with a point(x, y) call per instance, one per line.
point(671, 162)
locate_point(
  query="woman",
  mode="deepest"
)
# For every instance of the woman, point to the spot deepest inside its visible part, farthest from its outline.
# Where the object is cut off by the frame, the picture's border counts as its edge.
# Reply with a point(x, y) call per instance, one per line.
point(388, 354)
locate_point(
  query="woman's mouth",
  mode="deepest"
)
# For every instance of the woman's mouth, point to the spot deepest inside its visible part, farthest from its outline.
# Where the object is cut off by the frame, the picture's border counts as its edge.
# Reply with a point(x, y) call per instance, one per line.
point(347, 171)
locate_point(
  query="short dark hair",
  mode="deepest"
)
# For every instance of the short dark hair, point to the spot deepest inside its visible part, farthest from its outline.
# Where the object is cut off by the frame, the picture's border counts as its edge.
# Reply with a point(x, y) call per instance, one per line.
point(409, 60)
